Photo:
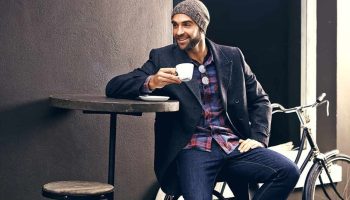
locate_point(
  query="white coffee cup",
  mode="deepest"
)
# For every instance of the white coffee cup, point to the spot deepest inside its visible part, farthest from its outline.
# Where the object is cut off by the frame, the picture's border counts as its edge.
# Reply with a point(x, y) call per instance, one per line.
point(184, 71)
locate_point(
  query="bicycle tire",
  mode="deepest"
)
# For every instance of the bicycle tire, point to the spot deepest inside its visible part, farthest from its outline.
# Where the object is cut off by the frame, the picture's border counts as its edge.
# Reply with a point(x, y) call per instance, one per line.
point(315, 191)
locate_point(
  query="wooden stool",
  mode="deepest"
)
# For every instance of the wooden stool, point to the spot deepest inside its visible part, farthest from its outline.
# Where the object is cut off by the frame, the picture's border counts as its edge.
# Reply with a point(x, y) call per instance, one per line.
point(77, 190)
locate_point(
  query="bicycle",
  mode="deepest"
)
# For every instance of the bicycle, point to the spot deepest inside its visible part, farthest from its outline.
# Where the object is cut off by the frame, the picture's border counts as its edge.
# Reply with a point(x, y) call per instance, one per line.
point(330, 171)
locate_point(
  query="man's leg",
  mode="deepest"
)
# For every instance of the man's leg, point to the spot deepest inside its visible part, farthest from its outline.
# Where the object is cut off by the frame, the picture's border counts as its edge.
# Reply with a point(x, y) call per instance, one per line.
point(262, 165)
point(239, 189)
point(197, 171)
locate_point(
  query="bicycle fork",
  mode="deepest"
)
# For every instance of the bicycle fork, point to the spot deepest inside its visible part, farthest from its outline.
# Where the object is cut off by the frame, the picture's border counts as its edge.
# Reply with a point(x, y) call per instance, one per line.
point(321, 158)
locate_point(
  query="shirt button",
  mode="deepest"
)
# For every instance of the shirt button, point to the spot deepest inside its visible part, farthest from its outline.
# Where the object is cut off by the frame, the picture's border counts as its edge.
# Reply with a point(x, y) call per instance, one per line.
point(236, 101)
point(201, 69)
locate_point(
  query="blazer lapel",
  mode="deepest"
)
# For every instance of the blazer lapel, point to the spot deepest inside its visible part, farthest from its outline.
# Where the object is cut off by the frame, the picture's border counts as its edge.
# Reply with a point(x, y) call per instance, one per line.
point(192, 85)
point(223, 69)
point(224, 72)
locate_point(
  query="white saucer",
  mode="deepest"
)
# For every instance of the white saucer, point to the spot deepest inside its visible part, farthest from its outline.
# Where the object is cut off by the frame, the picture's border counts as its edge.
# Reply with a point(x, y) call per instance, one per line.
point(154, 98)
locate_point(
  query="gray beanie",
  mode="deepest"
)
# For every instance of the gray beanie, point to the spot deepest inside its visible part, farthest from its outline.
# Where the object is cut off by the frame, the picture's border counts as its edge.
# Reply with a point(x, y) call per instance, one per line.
point(196, 10)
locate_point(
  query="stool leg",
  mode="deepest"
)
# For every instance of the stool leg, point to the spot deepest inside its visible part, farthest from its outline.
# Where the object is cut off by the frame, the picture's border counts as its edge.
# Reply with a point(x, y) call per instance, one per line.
point(112, 138)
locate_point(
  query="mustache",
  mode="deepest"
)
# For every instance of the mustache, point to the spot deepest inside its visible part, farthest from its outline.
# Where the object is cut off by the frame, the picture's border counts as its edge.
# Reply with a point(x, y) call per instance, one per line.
point(182, 36)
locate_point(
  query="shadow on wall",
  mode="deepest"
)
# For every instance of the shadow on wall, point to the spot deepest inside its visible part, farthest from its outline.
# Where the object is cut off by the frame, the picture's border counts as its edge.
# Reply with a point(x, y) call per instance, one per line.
point(23, 125)
point(23, 119)
point(24, 144)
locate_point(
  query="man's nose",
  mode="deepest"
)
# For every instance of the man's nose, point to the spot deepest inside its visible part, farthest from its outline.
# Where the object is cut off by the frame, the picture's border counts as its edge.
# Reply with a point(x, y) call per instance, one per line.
point(179, 31)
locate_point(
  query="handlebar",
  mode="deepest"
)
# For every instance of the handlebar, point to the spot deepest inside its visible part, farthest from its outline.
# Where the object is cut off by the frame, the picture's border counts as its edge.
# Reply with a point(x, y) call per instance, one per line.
point(319, 101)
point(320, 98)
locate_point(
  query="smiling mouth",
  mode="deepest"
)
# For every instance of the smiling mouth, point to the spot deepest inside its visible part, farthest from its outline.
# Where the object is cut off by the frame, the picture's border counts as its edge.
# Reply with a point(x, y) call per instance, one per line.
point(182, 40)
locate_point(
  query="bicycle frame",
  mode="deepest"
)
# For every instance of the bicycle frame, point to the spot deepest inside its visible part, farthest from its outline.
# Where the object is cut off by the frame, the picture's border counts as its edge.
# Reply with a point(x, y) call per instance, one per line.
point(314, 153)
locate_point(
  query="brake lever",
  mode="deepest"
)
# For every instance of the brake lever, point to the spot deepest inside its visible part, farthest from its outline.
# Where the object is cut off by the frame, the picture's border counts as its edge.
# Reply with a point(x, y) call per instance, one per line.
point(327, 102)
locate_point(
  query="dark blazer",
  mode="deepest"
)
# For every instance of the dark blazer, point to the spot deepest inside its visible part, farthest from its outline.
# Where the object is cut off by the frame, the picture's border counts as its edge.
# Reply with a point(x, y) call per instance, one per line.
point(246, 104)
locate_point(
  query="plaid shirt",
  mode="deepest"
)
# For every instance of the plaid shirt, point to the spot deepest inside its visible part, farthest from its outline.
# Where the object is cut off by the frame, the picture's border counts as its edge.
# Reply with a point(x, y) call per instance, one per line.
point(214, 123)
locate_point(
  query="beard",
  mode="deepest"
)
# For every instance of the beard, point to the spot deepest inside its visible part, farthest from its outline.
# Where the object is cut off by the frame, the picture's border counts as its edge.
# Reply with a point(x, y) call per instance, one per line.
point(192, 41)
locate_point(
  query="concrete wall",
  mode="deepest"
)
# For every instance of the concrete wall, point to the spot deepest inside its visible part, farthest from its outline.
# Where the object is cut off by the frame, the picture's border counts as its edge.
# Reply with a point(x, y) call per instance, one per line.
point(327, 72)
point(73, 47)
point(332, 74)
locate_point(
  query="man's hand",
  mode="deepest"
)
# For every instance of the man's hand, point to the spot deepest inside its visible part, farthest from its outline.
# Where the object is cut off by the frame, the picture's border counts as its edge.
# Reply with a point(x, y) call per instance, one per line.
point(246, 145)
point(163, 77)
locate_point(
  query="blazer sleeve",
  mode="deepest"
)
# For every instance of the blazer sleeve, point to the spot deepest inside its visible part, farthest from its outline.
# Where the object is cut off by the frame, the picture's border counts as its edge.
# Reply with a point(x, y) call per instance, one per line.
point(259, 106)
point(130, 85)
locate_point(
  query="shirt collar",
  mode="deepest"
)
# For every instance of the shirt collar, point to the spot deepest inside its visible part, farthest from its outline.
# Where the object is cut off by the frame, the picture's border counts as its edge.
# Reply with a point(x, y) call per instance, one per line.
point(208, 59)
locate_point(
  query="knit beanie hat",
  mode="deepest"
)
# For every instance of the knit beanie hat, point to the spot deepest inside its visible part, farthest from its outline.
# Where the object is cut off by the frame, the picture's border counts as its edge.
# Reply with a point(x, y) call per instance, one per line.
point(196, 10)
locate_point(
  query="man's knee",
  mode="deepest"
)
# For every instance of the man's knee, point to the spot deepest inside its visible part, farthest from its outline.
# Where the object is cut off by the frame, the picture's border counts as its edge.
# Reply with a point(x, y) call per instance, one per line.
point(292, 173)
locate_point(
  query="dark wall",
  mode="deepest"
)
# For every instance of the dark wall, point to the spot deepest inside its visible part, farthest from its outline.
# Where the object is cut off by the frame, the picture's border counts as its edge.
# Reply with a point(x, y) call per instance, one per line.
point(73, 47)
point(268, 33)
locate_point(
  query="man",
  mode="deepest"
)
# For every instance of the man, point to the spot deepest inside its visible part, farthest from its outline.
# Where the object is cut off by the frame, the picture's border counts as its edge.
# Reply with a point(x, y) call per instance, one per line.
point(222, 127)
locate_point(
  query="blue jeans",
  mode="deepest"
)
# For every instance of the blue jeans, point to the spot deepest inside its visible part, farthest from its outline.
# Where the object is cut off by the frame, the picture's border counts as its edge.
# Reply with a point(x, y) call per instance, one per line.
point(199, 170)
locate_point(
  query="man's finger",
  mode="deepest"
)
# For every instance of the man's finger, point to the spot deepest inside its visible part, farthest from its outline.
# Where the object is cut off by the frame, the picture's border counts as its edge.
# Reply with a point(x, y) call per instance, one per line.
point(172, 77)
point(247, 145)
point(254, 146)
point(167, 75)
point(240, 144)
point(243, 146)
point(168, 70)
point(165, 79)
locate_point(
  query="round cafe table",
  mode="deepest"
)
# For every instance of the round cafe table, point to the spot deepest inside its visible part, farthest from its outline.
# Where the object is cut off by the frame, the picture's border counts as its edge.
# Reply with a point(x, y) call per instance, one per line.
point(98, 104)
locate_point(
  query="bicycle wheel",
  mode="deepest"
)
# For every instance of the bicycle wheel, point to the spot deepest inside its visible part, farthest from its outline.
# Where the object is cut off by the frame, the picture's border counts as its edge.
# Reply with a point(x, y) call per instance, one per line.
point(339, 168)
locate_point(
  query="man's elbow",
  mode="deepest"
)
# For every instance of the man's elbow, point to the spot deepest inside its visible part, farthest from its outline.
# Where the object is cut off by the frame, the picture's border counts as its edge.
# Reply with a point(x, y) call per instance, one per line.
point(110, 91)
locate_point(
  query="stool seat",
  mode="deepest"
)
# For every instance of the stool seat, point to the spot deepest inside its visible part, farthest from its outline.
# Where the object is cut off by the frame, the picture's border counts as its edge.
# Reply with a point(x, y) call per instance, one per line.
point(68, 189)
